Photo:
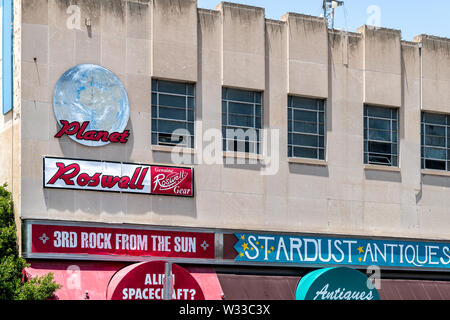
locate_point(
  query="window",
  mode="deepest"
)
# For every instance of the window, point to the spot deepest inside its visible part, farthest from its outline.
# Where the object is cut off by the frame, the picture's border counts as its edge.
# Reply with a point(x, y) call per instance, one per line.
point(241, 120)
point(381, 136)
point(306, 128)
point(435, 136)
point(173, 109)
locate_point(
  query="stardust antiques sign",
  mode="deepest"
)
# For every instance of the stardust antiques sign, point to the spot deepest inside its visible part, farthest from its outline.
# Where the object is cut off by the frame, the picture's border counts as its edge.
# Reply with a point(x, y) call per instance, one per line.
point(70, 241)
point(287, 249)
point(117, 177)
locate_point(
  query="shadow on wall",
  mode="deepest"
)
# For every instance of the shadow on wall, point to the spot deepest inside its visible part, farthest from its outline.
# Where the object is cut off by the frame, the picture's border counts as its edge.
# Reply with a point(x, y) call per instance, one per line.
point(383, 176)
point(310, 170)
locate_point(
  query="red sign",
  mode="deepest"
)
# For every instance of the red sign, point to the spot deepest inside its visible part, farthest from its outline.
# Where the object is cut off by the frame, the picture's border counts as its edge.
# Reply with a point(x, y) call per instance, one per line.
point(172, 181)
point(147, 281)
point(79, 131)
point(117, 177)
point(74, 240)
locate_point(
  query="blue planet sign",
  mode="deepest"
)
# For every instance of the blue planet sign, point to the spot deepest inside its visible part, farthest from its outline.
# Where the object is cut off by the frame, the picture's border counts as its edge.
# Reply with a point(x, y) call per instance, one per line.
point(91, 106)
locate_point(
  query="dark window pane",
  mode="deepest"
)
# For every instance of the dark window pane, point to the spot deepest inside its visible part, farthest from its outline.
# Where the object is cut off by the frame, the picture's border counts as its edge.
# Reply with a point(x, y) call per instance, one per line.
point(379, 147)
point(171, 113)
point(191, 103)
point(305, 127)
point(171, 87)
point(435, 141)
point(379, 112)
point(190, 89)
point(190, 115)
point(321, 154)
point(305, 140)
point(241, 121)
point(258, 111)
point(395, 161)
point(301, 115)
point(321, 141)
point(304, 103)
point(434, 153)
point(258, 98)
point(394, 148)
point(380, 135)
point(435, 130)
point(321, 129)
point(321, 117)
point(172, 101)
point(434, 118)
point(435, 165)
point(379, 124)
point(380, 159)
point(258, 123)
point(321, 105)
point(240, 95)
point(170, 126)
point(241, 108)
point(305, 153)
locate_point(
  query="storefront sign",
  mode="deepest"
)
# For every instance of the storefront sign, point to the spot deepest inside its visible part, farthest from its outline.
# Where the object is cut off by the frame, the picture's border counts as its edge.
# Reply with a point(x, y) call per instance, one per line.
point(78, 130)
point(147, 281)
point(336, 284)
point(341, 251)
point(117, 177)
point(91, 106)
point(77, 240)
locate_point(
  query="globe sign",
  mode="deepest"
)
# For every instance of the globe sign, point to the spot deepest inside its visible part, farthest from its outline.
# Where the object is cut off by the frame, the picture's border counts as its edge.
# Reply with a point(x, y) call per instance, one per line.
point(93, 94)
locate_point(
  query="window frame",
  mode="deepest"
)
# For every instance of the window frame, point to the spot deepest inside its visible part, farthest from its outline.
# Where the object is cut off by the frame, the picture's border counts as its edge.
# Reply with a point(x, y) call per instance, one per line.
point(423, 145)
point(367, 136)
point(155, 117)
point(257, 95)
point(291, 128)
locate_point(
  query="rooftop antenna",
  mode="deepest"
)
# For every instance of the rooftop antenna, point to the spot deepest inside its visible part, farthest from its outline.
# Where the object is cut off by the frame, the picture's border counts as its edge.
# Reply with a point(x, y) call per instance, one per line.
point(329, 10)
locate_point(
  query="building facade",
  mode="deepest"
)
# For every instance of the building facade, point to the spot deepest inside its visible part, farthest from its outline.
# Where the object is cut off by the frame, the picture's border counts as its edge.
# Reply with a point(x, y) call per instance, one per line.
point(346, 139)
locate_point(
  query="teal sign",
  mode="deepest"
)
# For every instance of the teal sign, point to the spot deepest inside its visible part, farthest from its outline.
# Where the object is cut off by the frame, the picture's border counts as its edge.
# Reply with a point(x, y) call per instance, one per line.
point(336, 284)
point(310, 250)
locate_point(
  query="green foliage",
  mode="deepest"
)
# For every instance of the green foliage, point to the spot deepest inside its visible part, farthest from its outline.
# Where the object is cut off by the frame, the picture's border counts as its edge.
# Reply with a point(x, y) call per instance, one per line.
point(12, 265)
point(39, 288)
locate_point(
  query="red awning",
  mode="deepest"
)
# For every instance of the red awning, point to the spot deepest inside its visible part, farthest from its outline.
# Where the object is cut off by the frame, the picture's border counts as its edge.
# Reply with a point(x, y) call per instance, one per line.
point(79, 277)
point(208, 281)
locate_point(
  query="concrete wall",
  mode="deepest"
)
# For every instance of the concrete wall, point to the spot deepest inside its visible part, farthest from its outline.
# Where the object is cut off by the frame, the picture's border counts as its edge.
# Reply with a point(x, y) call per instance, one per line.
point(236, 46)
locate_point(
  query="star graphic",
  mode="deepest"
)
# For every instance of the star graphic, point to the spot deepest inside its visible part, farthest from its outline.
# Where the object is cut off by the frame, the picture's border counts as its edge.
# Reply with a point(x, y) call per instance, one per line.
point(262, 247)
point(360, 259)
point(360, 250)
point(241, 254)
point(204, 245)
point(245, 246)
point(243, 237)
point(272, 248)
point(268, 251)
point(44, 238)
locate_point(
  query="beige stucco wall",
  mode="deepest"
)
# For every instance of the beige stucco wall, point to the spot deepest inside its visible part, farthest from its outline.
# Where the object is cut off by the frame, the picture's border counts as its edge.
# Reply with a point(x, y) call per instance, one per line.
point(236, 46)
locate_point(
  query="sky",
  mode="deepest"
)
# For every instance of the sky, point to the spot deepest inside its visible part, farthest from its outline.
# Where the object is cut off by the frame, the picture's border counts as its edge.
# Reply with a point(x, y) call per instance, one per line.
point(413, 17)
